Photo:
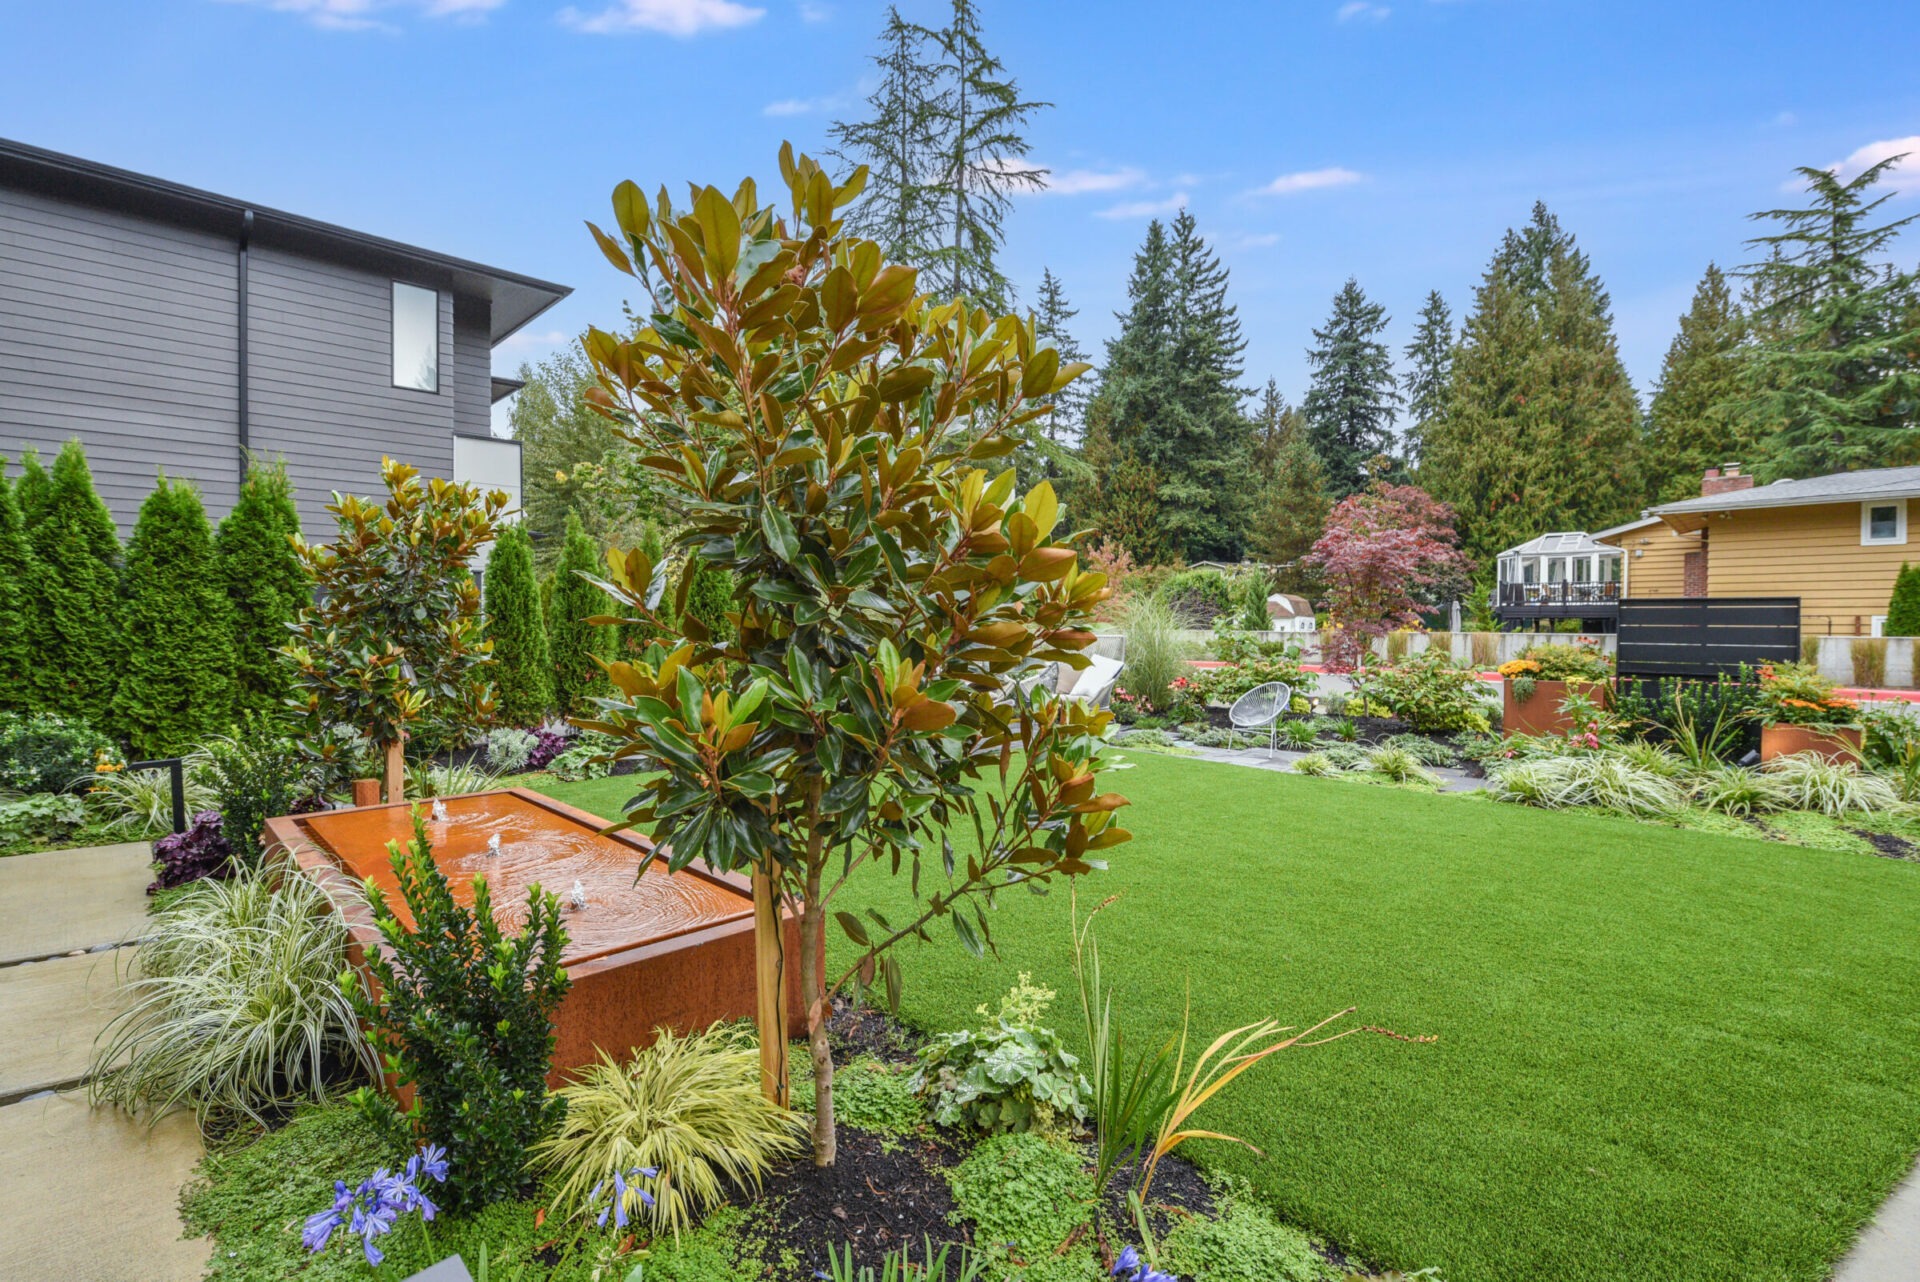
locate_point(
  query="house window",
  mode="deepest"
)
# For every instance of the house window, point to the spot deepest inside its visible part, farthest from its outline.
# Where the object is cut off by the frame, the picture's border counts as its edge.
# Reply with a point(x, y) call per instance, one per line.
point(416, 338)
point(1883, 522)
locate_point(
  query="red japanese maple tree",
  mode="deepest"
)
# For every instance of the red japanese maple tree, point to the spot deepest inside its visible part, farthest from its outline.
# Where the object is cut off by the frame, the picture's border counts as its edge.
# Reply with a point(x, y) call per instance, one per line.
point(1383, 550)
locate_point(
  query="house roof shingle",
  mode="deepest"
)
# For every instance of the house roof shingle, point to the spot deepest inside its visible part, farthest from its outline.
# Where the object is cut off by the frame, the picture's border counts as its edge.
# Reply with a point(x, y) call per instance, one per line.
point(1840, 487)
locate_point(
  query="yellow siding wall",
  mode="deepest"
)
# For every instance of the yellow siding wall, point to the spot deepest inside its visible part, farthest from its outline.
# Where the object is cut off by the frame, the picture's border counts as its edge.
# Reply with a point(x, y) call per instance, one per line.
point(1654, 560)
point(1813, 553)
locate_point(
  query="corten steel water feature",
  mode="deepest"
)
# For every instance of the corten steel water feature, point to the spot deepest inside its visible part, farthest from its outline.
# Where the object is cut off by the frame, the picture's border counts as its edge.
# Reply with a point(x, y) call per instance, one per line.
point(662, 950)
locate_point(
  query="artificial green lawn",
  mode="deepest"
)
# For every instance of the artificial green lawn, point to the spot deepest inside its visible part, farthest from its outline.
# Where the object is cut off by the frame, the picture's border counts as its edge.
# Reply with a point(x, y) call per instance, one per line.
point(1663, 1054)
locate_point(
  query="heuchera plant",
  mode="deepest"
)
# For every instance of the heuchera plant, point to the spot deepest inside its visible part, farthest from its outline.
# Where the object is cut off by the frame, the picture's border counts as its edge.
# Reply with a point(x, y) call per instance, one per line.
point(826, 428)
point(1383, 550)
point(201, 851)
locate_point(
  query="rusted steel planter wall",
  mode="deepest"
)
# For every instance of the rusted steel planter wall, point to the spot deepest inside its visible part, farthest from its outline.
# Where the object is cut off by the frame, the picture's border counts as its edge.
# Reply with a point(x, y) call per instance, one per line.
point(1835, 743)
point(1541, 715)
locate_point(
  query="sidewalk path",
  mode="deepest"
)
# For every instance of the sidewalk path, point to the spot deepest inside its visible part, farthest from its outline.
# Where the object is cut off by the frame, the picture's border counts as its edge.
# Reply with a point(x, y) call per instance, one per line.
point(66, 918)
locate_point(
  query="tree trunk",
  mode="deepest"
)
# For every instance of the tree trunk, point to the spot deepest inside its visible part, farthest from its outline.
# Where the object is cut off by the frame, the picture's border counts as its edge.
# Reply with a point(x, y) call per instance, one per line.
point(770, 989)
point(396, 771)
point(813, 927)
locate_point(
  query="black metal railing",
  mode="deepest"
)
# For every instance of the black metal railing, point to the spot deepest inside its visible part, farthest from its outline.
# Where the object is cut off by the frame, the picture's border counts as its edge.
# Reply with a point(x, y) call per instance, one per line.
point(1550, 595)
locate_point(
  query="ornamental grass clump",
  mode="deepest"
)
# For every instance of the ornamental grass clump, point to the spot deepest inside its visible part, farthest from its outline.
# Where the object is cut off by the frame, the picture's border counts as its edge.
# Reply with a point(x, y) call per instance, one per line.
point(139, 803)
point(236, 1005)
point(1735, 790)
point(688, 1109)
point(1398, 765)
point(1299, 735)
point(1808, 781)
point(465, 1016)
point(1604, 779)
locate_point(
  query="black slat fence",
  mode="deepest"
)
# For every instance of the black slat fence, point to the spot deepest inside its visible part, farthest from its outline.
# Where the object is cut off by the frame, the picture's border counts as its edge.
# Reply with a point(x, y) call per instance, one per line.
point(1706, 636)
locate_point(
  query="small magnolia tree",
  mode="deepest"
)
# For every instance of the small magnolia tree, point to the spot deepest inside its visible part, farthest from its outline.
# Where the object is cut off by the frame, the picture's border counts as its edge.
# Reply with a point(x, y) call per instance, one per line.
point(395, 636)
point(1383, 549)
point(824, 426)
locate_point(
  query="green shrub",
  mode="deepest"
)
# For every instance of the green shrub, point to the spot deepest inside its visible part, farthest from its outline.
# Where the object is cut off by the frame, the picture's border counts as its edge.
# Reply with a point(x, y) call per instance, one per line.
point(1808, 781)
point(19, 621)
point(1197, 595)
point(266, 588)
point(509, 750)
point(1430, 694)
point(573, 643)
point(237, 1003)
point(522, 665)
point(76, 591)
point(1903, 610)
point(40, 817)
point(467, 1020)
point(1012, 1074)
point(34, 490)
point(1026, 1198)
point(583, 761)
point(1242, 1242)
point(1869, 655)
point(1558, 661)
point(709, 598)
point(1251, 596)
point(41, 752)
point(253, 775)
point(689, 1108)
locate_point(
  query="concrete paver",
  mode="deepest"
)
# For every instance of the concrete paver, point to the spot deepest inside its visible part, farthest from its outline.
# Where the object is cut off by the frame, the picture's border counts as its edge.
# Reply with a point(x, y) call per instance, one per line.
point(60, 900)
point(51, 1011)
point(91, 1195)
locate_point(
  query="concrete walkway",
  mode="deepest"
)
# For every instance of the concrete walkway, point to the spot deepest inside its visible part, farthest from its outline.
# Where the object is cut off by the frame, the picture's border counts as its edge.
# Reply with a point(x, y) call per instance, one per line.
point(1282, 759)
point(67, 918)
point(1888, 1249)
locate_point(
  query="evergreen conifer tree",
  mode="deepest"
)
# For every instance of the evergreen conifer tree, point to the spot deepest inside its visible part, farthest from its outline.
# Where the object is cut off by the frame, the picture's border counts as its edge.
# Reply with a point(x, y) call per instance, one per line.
point(1051, 450)
point(176, 666)
point(1429, 372)
point(1542, 426)
point(574, 644)
point(1834, 383)
point(32, 490)
point(1290, 511)
point(522, 667)
point(899, 208)
point(1350, 405)
point(1903, 611)
point(266, 586)
point(76, 588)
point(18, 618)
point(977, 120)
point(1691, 424)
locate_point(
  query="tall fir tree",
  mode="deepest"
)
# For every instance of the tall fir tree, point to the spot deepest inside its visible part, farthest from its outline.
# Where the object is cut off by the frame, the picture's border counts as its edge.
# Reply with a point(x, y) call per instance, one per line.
point(33, 489)
point(1350, 404)
point(1052, 448)
point(76, 588)
point(1834, 383)
point(522, 665)
point(1290, 509)
point(1169, 406)
point(265, 584)
point(18, 615)
point(1542, 426)
point(1429, 375)
point(1692, 424)
point(176, 665)
point(978, 120)
point(573, 643)
point(899, 209)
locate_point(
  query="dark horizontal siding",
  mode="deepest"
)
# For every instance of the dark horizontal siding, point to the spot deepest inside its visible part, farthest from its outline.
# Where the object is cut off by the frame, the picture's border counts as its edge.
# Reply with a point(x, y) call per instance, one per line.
point(120, 332)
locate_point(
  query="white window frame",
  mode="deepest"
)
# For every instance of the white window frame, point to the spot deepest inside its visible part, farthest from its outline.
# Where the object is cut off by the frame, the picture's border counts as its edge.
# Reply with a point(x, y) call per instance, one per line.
point(1879, 628)
point(1899, 538)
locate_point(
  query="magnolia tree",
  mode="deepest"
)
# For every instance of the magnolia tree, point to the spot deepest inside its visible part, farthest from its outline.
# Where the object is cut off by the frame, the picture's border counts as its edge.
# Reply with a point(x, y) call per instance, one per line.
point(826, 428)
point(1385, 550)
point(394, 636)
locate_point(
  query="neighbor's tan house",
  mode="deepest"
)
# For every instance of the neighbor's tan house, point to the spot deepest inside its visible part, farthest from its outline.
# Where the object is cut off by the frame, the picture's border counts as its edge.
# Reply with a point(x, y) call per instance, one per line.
point(1836, 542)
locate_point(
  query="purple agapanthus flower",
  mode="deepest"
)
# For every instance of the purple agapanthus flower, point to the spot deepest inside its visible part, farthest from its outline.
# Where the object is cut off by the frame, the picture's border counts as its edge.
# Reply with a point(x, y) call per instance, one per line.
point(622, 1180)
point(1129, 1262)
point(371, 1210)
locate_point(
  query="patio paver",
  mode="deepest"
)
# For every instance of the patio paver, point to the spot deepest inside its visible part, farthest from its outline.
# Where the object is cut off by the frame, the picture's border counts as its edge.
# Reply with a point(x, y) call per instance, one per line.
point(61, 900)
point(1888, 1249)
point(52, 1011)
point(91, 1195)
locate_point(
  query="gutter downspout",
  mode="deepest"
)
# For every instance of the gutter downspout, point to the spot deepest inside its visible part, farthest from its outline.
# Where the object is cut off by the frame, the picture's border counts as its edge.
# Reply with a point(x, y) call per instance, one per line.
point(245, 428)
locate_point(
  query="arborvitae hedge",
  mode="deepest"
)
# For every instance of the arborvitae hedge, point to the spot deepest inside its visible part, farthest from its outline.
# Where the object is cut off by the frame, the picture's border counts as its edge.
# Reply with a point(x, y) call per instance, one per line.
point(1903, 612)
point(76, 586)
point(573, 641)
point(265, 584)
point(176, 666)
point(17, 622)
point(709, 598)
point(522, 666)
point(33, 489)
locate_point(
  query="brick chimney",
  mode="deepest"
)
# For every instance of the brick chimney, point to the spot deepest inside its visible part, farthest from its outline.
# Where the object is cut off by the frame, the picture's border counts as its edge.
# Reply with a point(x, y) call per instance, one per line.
point(1724, 480)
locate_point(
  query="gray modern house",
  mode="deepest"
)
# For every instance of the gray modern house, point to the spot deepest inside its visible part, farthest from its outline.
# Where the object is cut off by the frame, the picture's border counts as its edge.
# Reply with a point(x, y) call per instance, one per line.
point(170, 328)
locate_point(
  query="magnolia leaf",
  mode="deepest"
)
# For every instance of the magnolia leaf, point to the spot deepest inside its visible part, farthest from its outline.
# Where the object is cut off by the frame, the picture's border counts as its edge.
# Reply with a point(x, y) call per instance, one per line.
point(611, 248)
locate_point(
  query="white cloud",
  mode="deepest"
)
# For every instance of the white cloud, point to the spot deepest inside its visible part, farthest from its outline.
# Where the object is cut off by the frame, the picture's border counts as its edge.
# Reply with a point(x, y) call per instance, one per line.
point(814, 12)
point(1078, 182)
point(368, 15)
point(1253, 240)
point(1361, 11)
point(1903, 177)
point(1309, 180)
point(1145, 208)
point(672, 17)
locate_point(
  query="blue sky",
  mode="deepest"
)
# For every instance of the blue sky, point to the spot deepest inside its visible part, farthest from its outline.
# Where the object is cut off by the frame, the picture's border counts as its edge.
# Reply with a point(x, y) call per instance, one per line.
point(1391, 141)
